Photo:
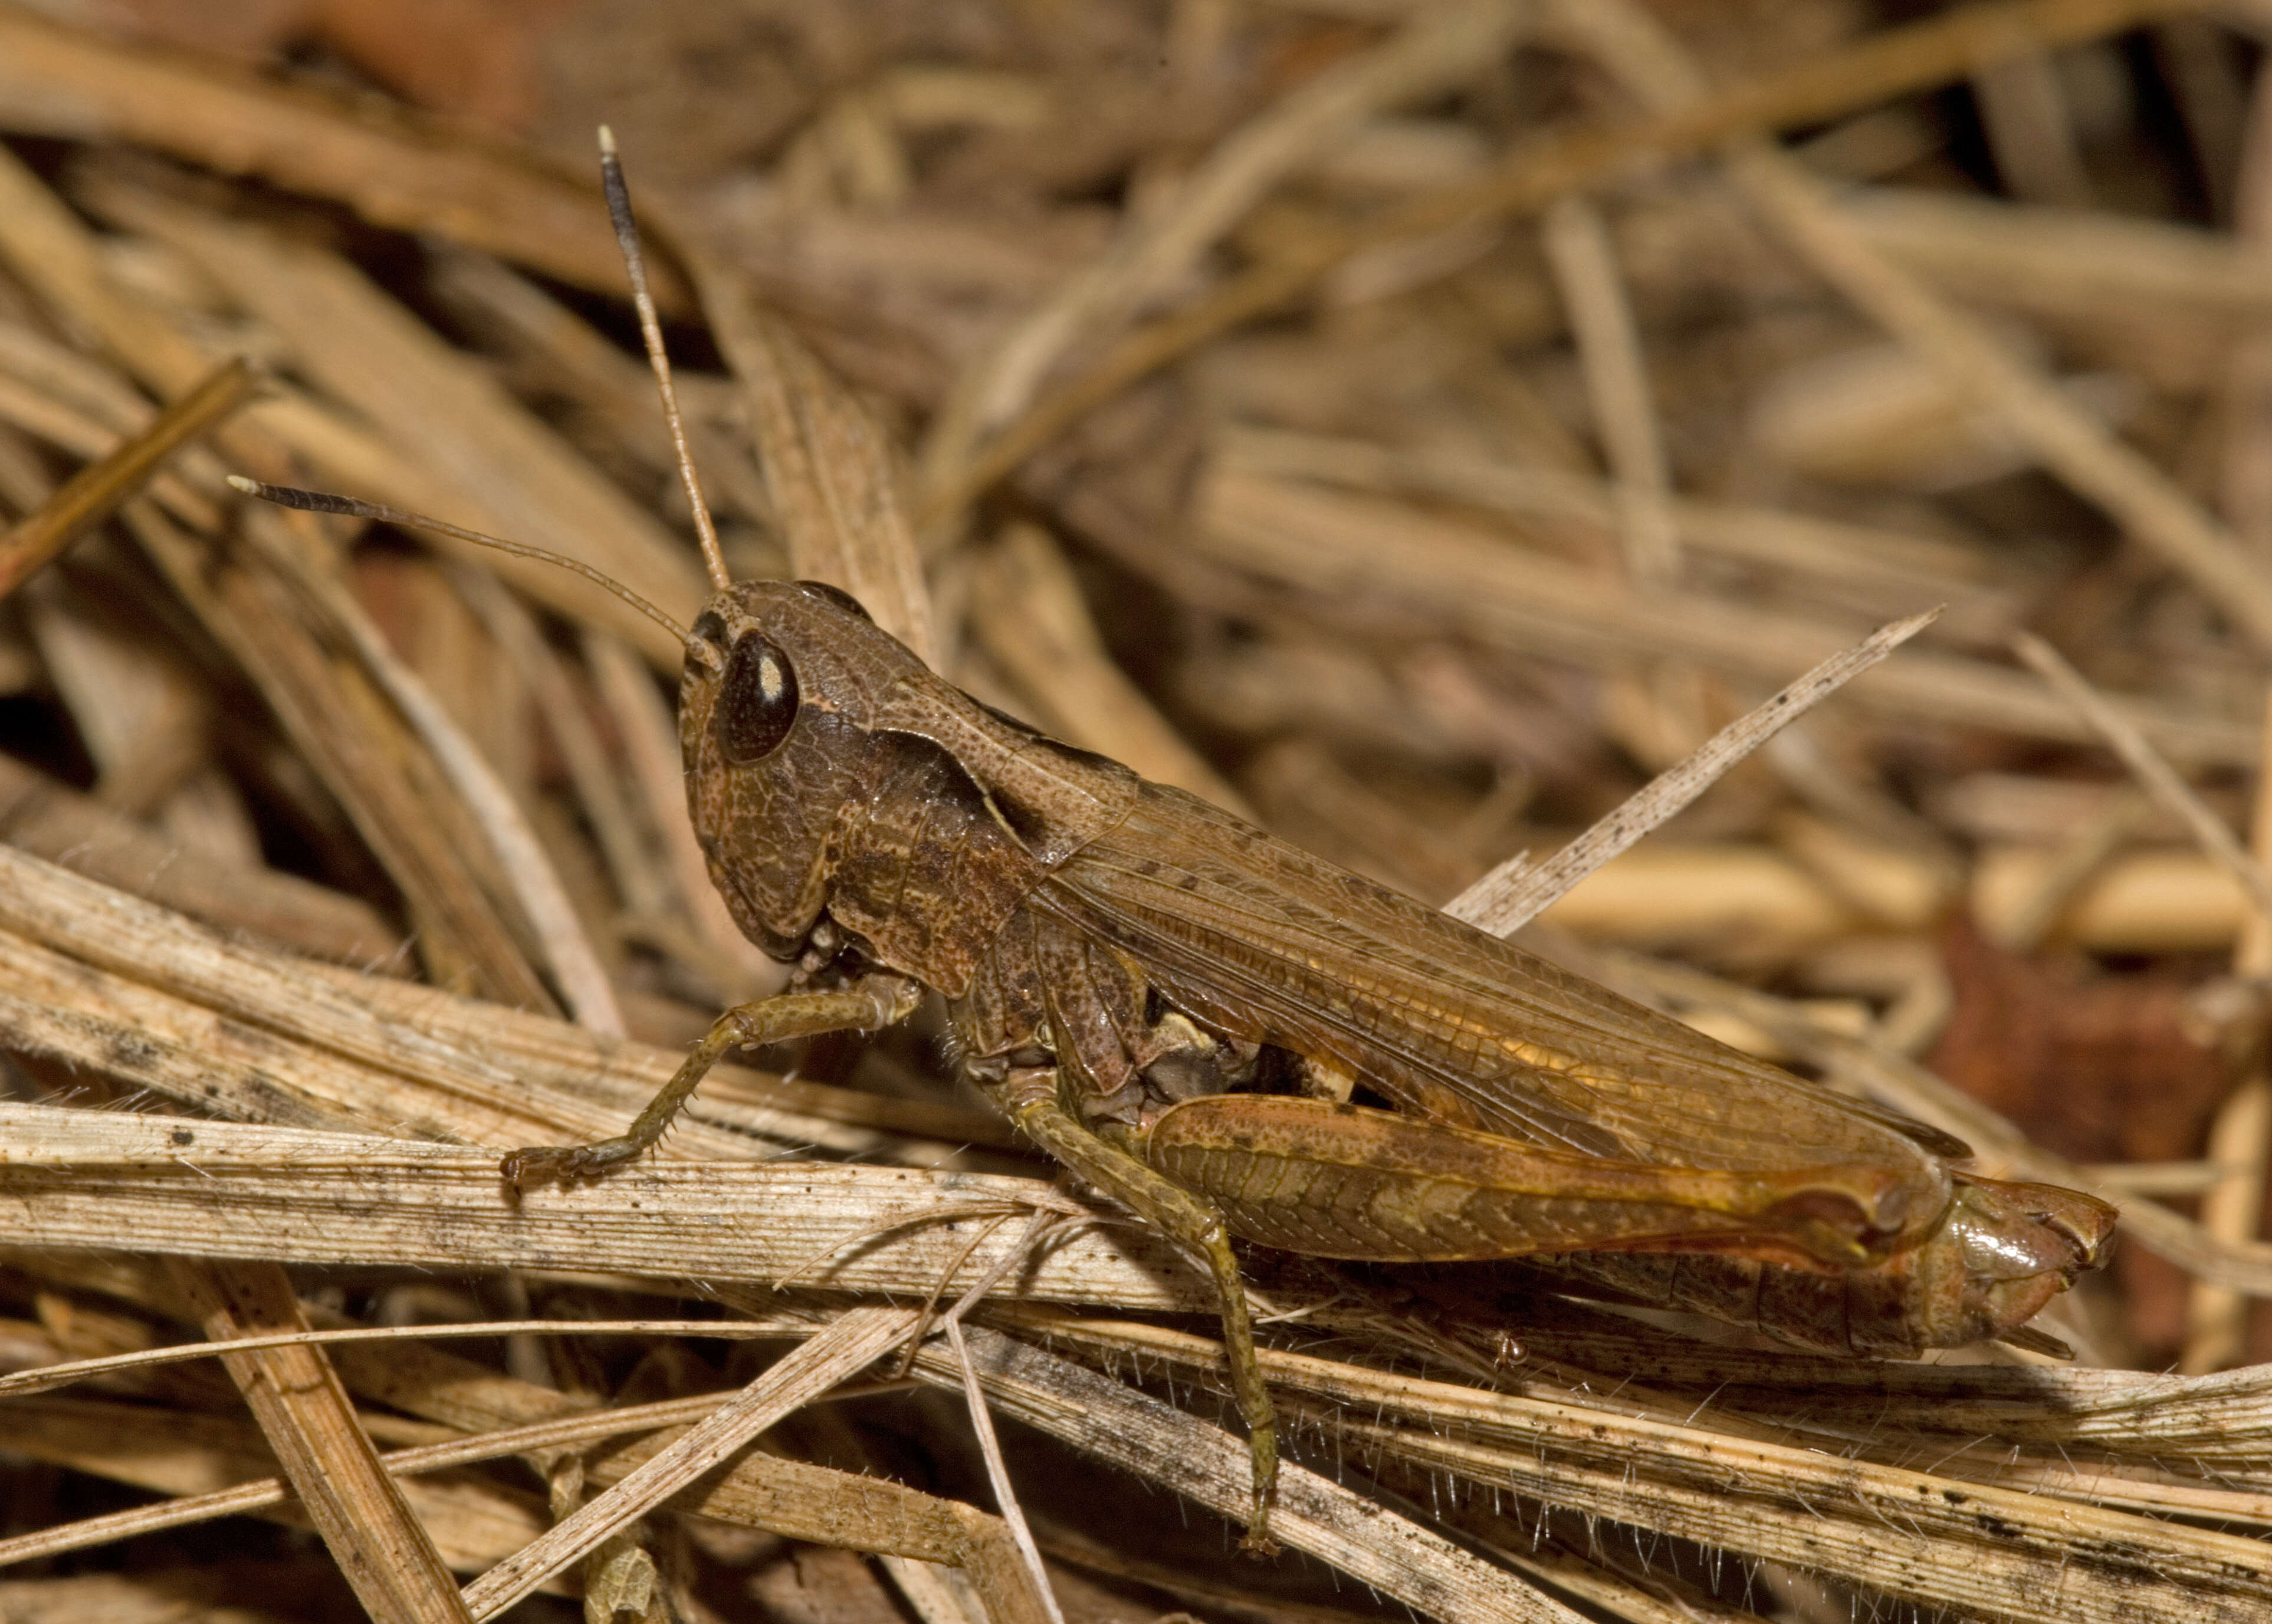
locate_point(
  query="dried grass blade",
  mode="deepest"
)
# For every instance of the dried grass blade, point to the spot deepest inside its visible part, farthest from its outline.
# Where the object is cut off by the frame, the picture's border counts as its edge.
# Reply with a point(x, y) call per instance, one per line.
point(1729, 1481)
point(381, 1548)
point(132, 937)
point(100, 488)
point(472, 1524)
point(823, 1506)
point(792, 1498)
point(50, 820)
point(162, 1059)
point(1889, 568)
point(827, 464)
point(1029, 614)
point(2147, 764)
point(82, 434)
point(1464, 576)
point(556, 928)
point(148, 1039)
point(1895, 63)
point(1893, 1531)
point(2060, 260)
point(538, 1048)
point(268, 1038)
point(1013, 1515)
point(384, 780)
point(60, 81)
point(930, 1592)
point(1517, 891)
point(1437, 49)
point(93, 392)
point(514, 475)
point(639, 880)
point(1617, 387)
point(1140, 1434)
point(587, 366)
point(2239, 1137)
point(2093, 462)
point(266, 1493)
point(45, 1378)
point(103, 1181)
point(51, 251)
point(855, 1340)
point(396, 795)
point(813, 1503)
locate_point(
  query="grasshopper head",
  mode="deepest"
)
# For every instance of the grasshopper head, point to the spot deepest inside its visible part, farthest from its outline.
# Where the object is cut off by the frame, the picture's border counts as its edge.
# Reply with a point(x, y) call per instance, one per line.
point(827, 768)
point(776, 714)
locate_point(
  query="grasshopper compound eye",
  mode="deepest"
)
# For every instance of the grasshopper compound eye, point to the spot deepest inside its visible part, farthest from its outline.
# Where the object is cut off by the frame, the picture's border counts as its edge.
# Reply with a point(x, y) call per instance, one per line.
point(757, 701)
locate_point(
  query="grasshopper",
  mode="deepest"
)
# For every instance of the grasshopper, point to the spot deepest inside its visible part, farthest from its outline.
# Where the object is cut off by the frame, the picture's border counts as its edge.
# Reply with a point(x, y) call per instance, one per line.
point(1240, 1041)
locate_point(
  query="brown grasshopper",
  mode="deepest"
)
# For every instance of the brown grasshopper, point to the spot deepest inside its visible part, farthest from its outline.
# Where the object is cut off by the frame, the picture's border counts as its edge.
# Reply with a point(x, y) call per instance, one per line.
point(1238, 1039)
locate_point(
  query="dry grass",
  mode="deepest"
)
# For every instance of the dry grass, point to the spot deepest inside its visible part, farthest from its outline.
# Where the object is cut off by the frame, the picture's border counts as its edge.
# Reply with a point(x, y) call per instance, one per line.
point(1425, 429)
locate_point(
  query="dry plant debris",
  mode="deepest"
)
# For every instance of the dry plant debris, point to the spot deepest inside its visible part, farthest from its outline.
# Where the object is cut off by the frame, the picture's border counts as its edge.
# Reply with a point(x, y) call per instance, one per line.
point(1421, 426)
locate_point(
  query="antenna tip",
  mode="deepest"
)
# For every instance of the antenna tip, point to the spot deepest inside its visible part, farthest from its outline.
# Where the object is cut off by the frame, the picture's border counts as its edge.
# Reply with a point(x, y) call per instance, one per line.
point(251, 488)
point(607, 142)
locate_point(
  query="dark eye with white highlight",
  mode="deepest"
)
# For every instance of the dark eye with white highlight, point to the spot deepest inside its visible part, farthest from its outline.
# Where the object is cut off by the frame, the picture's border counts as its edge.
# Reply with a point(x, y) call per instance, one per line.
point(757, 701)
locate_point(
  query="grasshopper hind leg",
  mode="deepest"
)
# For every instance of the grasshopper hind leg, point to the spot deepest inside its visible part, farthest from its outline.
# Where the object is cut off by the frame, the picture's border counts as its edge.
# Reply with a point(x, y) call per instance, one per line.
point(1030, 1098)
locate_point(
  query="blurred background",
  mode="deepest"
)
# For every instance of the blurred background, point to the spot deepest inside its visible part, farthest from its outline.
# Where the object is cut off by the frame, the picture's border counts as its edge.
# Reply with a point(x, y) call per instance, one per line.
point(1389, 420)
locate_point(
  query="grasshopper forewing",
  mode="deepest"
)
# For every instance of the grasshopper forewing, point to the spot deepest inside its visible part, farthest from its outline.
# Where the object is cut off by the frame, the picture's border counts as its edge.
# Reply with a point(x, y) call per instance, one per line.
point(1236, 1037)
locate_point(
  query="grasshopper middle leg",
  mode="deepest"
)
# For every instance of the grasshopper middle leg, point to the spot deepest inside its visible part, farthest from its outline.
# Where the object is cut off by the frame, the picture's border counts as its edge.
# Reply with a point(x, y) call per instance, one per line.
point(1194, 1223)
point(871, 1002)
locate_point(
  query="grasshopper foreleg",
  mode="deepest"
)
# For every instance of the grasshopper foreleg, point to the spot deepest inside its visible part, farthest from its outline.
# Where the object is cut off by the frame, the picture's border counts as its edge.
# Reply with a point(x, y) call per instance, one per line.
point(1194, 1224)
point(869, 1003)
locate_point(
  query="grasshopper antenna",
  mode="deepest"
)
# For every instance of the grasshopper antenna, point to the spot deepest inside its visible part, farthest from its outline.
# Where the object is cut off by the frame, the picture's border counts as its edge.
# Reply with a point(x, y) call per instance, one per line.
point(323, 501)
point(627, 239)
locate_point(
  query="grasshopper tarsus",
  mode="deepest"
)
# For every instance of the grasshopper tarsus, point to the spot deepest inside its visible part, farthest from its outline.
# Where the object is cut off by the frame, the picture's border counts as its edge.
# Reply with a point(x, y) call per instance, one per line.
point(1257, 1541)
point(562, 1163)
